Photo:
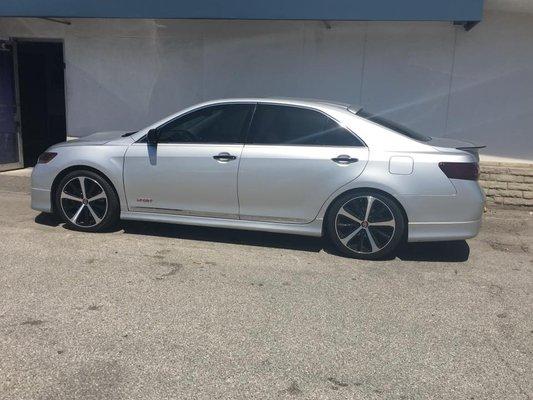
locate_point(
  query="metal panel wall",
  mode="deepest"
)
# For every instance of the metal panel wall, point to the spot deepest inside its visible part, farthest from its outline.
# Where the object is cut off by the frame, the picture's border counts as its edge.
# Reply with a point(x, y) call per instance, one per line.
point(433, 77)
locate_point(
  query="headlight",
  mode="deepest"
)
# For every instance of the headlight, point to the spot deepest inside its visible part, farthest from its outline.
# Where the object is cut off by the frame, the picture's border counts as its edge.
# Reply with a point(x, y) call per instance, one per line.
point(46, 157)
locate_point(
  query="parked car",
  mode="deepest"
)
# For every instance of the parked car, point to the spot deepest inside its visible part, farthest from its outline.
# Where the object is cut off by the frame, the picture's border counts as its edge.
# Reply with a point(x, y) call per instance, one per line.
point(304, 167)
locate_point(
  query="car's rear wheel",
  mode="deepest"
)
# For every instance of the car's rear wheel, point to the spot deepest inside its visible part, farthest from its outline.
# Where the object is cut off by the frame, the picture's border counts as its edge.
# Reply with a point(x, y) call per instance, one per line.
point(365, 224)
point(86, 201)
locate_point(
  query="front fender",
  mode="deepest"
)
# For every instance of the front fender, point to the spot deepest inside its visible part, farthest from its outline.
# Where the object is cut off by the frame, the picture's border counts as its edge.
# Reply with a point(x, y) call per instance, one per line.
point(107, 160)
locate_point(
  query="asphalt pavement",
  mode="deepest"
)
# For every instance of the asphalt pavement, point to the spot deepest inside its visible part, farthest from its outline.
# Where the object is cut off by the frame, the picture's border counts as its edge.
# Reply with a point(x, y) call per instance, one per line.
point(154, 311)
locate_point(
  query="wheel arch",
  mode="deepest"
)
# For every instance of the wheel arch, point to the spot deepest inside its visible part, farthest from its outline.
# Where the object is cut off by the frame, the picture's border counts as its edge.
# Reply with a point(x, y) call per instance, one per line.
point(73, 168)
point(372, 189)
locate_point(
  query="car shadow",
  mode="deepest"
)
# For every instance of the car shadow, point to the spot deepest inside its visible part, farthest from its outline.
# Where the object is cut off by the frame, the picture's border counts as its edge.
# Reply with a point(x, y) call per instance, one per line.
point(224, 235)
point(47, 219)
point(452, 251)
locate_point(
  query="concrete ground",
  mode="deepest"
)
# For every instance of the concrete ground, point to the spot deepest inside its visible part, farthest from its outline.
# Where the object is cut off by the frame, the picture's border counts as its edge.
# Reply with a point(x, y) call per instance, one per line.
point(159, 312)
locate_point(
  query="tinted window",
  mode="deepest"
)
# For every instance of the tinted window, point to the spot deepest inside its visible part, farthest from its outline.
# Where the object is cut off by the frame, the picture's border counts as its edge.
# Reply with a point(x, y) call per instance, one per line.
point(393, 126)
point(297, 126)
point(217, 124)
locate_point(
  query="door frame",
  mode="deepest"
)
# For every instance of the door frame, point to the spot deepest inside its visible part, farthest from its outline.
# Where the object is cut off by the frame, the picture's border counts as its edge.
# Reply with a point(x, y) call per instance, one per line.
point(17, 116)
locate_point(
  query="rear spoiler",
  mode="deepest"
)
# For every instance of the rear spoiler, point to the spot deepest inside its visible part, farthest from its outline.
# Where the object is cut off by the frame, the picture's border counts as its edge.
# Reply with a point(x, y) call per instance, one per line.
point(473, 147)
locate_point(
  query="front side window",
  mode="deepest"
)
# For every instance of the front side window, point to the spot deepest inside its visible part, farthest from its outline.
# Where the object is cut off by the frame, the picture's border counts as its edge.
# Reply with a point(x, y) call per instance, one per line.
point(286, 125)
point(216, 124)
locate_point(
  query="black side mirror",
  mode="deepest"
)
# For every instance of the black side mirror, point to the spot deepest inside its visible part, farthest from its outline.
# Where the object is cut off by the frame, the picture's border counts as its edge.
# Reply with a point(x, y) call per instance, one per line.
point(153, 137)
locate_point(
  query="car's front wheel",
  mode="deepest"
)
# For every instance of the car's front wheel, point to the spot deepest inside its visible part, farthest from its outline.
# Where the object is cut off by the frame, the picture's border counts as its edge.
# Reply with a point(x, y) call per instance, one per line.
point(86, 201)
point(365, 224)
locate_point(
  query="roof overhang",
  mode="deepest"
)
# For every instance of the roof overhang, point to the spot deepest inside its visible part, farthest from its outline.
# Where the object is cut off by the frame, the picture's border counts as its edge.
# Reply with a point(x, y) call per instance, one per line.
point(347, 10)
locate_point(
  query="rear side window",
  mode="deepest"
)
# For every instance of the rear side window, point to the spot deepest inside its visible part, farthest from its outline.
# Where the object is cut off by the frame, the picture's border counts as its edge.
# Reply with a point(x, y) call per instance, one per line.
point(387, 123)
point(216, 124)
point(286, 125)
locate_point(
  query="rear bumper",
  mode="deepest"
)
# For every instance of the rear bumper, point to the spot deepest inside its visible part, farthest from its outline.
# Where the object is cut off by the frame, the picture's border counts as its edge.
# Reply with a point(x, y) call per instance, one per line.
point(441, 231)
point(458, 217)
point(40, 200)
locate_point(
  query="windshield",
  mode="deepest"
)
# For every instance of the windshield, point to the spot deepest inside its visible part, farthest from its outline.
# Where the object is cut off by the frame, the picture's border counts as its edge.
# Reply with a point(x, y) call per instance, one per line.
point(393, 125)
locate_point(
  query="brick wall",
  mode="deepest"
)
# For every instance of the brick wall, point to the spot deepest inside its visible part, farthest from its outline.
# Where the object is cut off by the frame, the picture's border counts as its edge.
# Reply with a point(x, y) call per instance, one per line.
point(507, 184)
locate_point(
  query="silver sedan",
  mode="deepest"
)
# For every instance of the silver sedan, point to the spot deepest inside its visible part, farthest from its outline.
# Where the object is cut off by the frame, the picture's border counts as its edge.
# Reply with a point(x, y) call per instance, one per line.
point(305, 167)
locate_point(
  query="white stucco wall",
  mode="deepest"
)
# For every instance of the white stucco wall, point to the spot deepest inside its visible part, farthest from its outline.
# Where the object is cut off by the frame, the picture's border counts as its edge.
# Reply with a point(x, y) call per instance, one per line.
point(124, 74)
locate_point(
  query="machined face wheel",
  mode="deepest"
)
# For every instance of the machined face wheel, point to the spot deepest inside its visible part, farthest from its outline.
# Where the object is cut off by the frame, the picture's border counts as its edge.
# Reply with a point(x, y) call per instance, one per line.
point(365, 224)
point(84, 201)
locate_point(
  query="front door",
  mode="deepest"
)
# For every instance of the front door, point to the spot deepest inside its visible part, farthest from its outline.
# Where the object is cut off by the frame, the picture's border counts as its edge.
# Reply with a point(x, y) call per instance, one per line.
point(193, 168)
point(10, 146)
point(293, 160)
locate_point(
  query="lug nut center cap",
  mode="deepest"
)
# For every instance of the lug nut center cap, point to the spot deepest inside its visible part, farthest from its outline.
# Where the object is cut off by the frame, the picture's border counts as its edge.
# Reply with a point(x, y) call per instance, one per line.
point(85, 201)
point(364, 224)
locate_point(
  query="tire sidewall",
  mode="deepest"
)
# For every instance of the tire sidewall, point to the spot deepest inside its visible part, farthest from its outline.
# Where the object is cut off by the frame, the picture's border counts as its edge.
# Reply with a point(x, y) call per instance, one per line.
point(399, 231)
point(113, 207)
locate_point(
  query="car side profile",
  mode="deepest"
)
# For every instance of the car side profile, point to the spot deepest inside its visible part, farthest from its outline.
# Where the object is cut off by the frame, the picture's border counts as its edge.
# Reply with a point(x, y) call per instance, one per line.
point(304, 167)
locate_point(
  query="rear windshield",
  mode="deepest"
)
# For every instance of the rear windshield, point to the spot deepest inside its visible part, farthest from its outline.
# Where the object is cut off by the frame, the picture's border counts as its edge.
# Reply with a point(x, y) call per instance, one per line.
point(393, 125)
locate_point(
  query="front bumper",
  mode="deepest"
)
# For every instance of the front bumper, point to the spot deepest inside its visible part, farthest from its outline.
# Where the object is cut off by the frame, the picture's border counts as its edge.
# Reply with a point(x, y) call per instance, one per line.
point(41, 200)
point(42, 178)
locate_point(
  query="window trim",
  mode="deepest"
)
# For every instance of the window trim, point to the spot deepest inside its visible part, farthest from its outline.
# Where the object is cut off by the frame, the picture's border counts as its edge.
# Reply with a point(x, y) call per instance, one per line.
point(246, 130)
point(242, 136)
point(269, 103)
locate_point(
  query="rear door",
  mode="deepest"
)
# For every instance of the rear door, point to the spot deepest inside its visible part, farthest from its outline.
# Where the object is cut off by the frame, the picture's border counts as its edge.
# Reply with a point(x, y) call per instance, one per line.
point(293, 160)
point(193, 168)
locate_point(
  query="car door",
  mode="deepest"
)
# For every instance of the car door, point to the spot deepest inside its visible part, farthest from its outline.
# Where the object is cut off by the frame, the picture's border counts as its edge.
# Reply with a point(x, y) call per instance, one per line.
point(193, 168)
point(293, 160)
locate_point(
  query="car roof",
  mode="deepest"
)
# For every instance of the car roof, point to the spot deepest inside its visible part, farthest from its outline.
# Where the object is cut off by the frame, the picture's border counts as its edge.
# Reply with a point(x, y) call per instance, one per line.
point(288, 101)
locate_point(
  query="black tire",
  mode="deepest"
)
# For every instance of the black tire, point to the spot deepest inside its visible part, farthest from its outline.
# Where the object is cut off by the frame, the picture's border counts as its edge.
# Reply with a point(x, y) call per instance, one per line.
point(369, 239)
point(95, 215)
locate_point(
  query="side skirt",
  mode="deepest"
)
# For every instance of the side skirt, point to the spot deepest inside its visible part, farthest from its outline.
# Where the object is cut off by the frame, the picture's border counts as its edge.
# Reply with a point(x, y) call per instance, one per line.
point(311, 229)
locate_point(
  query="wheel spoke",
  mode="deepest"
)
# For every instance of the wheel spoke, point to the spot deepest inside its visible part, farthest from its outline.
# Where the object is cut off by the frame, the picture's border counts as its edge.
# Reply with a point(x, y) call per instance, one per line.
point(96, 218)
point(82, 184)
point(378, 224)
point(70, 197)
point(76, 216)
point(370, 201)
point(383, 223)
point(373, 244)
point(98, 196)
point(350, 236)
point(348, 215)
point(81, 209)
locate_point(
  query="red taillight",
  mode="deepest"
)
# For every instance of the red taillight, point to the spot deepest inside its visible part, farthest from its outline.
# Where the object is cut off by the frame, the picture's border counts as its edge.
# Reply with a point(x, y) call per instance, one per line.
point(46, 157)
point(459, 170)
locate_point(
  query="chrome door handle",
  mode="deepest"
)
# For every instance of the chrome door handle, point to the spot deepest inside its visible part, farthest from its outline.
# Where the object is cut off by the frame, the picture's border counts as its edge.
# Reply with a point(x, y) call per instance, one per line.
point(224, 157)
point(344, 159)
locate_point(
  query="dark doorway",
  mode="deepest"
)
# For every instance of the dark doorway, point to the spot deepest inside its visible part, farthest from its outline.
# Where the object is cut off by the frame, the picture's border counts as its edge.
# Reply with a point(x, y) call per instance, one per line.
point(9, 133)
point(42, 96)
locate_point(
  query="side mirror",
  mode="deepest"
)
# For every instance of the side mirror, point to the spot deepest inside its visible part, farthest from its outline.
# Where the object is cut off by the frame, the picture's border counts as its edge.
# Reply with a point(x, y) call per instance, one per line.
point(153, 137)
